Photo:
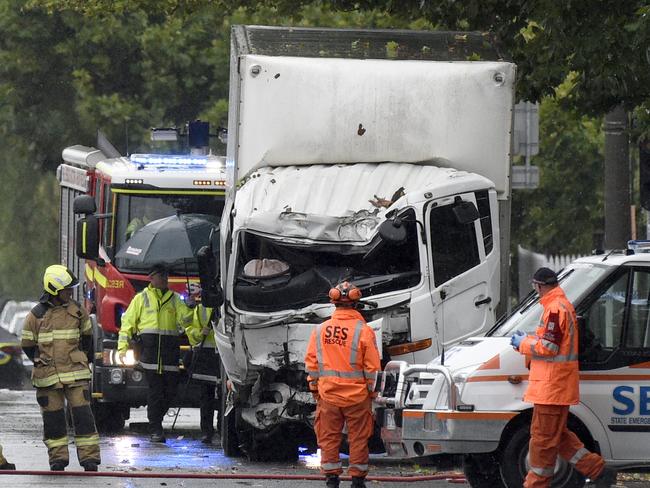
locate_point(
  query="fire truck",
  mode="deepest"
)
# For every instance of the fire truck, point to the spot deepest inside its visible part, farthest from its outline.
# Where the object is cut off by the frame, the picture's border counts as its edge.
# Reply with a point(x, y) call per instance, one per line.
point(104, 202)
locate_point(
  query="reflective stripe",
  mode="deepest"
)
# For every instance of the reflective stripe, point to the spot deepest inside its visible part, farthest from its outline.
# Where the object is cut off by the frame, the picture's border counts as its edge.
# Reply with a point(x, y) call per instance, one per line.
point(341, 374)
point(27, 335)
point(154, 367)
point(66, 334)
point(331, 465)
point(556, 359)
point(61, 441)
point(89, 440)
point(145, 298)
point(123, 336)
point(204, 377)
point(319, 348)
point(70, 377)
point(358, 373)
point(355, 344)
point(551, 346)
point(546, 472)
point(164, 332)
point(533, 343)
point(360, 467)
point(371, 375)
point(580, 453)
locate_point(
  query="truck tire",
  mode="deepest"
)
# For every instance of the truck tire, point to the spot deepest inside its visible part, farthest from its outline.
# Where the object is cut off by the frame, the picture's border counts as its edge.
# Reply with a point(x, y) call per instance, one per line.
point(482, 471)
point(514, 463)
point(109, 417)
point(227, 424)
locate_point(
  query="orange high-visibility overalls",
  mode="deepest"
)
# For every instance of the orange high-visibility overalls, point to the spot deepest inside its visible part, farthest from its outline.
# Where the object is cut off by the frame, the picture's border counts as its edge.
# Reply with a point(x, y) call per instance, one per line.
point(553, 386)
point(342, 362)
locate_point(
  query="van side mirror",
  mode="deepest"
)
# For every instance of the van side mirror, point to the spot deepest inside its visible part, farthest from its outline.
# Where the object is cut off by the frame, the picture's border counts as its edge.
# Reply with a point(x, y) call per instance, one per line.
point(87, 241)
point(211, 293)
point(465, 212)
point(84, 204)
point(393, 231)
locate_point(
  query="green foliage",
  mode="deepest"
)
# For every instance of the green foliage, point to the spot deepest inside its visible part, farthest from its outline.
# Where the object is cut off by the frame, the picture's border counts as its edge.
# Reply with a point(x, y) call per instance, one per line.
point(562, 215)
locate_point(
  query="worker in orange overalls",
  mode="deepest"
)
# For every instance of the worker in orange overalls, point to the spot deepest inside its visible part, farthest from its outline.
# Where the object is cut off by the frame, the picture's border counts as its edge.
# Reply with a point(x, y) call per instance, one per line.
point(553, 386)
point(342, 362)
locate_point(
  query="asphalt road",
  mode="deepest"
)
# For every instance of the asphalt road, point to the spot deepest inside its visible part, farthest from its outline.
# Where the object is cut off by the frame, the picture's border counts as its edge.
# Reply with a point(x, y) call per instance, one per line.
point(178, 463)
point(131, 453)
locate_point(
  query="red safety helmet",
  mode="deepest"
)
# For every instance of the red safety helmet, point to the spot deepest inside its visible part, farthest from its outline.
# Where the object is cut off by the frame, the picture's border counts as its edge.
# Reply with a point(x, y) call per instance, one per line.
point(345, 293)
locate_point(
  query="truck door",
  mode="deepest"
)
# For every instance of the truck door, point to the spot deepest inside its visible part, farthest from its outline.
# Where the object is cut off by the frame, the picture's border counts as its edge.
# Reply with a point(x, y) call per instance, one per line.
point(615, 361)
point(460, 273)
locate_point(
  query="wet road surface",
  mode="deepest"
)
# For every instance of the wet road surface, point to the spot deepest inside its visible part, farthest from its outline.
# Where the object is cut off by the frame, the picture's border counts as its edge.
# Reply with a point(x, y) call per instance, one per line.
point(130, 454)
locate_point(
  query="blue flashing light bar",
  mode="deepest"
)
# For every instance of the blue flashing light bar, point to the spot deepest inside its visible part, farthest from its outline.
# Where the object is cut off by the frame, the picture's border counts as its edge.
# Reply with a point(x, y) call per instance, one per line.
point(174, 161)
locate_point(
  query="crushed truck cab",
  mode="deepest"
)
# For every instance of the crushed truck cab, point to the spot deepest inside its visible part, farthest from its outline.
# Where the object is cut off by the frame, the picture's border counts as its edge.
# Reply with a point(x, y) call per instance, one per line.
point(471, 402)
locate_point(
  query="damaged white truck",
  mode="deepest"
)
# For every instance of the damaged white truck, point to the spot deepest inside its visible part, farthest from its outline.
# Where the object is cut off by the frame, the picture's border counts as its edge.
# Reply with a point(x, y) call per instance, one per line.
point(380, 157)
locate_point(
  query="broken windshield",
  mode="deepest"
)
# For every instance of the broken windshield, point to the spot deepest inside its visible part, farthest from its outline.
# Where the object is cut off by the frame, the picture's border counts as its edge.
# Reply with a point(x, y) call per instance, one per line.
point(274, 275)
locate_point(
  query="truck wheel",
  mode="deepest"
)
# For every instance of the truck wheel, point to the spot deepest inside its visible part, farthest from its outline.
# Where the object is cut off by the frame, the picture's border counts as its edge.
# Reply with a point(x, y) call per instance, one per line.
point(109, 417)
point(514, 463)
point(227, 424)
point(482, 471)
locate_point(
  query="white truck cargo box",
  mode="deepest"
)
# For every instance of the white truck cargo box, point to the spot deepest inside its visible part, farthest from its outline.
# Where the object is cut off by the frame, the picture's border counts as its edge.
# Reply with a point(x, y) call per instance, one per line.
point(291, 109)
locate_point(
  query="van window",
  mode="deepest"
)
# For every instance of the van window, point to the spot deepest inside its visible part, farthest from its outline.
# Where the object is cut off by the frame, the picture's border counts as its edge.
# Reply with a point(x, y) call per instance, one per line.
point(605, 318)
point(638, 325)
point(453, 245)
point(483, 206)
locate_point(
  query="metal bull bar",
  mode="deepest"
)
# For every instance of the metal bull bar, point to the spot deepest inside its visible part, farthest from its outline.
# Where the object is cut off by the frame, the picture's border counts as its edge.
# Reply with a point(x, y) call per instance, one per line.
point(403, 372)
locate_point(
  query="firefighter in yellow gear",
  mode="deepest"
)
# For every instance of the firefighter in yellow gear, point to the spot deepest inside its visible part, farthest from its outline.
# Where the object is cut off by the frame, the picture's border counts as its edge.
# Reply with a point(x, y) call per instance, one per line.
point(204, 367)
point(4, 464)
point(57, 337)
point(158, 316)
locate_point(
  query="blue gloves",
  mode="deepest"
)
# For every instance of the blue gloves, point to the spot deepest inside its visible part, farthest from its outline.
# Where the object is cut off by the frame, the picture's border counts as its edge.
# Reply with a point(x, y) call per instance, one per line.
point(516, 339)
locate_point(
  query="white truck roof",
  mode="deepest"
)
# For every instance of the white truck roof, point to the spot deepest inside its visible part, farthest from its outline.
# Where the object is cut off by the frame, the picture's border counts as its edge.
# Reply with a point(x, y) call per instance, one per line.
point(303, 111)
point(333, 202)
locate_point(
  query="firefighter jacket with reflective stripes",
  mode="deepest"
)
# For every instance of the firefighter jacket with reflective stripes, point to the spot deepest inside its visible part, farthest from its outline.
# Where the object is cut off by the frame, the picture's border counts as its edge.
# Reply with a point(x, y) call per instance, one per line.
point(54, 332)
point(342, 360)
point(158, 318)
point(553, 352)
point(205, 362)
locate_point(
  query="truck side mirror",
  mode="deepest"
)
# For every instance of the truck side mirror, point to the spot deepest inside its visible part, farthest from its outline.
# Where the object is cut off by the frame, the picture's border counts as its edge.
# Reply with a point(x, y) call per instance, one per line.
point(211, 293)
point(465, 212)
point(87, 242)
point(84, 204)
point(393, 231)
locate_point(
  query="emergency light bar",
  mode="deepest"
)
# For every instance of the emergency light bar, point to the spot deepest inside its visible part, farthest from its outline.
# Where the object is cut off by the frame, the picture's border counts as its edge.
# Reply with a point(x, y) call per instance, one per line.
point(639, 246)
point(171, 161)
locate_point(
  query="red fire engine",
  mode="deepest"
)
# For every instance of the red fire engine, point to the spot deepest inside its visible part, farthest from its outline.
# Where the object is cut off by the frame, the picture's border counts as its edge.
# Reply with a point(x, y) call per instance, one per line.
point(127, 194)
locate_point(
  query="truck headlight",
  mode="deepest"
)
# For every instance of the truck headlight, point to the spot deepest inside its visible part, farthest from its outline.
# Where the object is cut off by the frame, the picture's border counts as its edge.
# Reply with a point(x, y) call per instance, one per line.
point(112, 358)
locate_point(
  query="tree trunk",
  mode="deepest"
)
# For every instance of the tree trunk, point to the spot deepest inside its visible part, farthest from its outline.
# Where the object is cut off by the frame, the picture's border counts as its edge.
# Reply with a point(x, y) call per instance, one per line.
point(617, 180)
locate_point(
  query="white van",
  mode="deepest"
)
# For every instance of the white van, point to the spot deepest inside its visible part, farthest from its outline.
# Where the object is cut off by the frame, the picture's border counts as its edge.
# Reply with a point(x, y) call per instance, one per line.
point(470, 402)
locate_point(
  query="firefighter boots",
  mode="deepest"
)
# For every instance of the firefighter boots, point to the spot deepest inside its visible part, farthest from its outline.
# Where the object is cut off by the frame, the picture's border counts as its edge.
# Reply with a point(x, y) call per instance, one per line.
point(332, 481)
point(57, 467)
point(89, 466)
point(8, 467)
point(358, 482)
point(158, 437)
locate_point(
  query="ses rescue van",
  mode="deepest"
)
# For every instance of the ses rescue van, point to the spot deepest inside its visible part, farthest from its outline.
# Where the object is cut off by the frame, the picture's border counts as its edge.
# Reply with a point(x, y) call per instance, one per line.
point(472, 403)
